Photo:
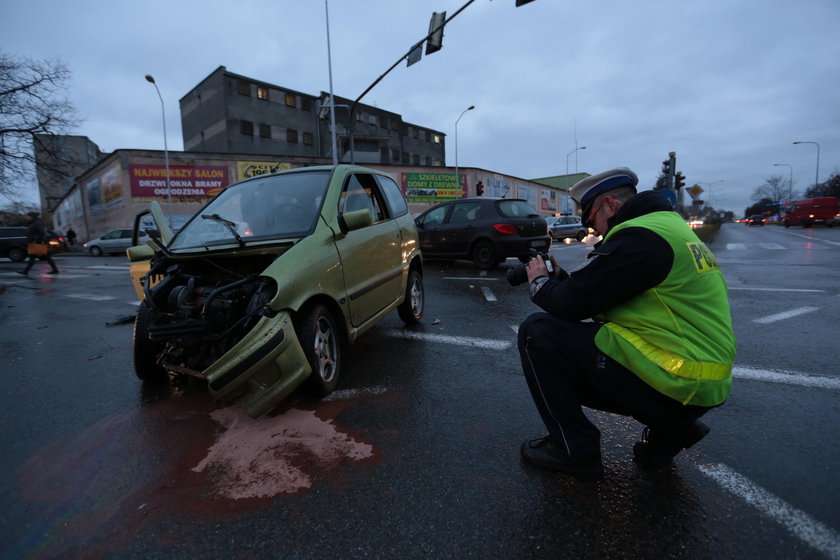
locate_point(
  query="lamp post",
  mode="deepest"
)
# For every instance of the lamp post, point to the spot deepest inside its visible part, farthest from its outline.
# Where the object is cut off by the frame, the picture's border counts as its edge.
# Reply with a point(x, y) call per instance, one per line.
point(570, 153)
point(817, 177)
point(457, 178)
point(332, 99)
point(151, 80)
point(790, 184)
point(709, 185)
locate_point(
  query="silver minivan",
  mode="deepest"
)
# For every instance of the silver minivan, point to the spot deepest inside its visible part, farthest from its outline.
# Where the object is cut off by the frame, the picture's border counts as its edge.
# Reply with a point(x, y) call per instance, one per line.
point(116, 241)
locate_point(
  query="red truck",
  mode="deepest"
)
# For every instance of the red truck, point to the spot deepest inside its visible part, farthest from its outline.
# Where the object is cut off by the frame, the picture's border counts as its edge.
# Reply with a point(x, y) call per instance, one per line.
point(810, 211)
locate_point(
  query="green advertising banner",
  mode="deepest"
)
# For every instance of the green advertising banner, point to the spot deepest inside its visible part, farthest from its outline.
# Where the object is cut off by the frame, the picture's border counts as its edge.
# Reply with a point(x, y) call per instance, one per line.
point(432, 187)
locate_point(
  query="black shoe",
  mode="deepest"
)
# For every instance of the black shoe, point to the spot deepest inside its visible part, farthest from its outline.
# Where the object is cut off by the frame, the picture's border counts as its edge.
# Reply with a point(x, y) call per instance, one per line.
point(22, 272)
point(544, 454)
point(53, 272)
point(659, 447)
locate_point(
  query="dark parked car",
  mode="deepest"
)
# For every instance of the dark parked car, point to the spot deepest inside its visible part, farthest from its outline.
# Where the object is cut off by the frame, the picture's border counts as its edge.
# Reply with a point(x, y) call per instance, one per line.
point(13, 242)
point(756, 220)
point(486, 230)
point(567, 226)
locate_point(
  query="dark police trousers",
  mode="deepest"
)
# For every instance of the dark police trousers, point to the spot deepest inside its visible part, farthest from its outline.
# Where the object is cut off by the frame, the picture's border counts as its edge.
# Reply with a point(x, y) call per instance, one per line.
point(565, 370)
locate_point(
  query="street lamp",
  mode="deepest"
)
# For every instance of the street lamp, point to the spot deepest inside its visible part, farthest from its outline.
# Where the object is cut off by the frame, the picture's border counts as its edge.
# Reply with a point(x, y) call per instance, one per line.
point(457, 178)
point(709, 184)
point(817, 178)
point(151, 80)
point(332, 99)
point(570, 153)
point(790, 186)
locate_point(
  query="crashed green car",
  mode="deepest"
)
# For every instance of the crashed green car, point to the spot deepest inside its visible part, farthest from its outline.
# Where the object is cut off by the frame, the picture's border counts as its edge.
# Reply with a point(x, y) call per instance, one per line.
point(258, 292)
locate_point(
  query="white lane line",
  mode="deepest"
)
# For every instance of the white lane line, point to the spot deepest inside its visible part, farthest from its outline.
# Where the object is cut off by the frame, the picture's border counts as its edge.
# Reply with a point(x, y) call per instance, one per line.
point(800, 524)
point(772, 246)
point(488, 293)
point(748, 289)
point(91, 297)
point(735, 247)
point(785, 315)
point(456, 340)
point(788, 377)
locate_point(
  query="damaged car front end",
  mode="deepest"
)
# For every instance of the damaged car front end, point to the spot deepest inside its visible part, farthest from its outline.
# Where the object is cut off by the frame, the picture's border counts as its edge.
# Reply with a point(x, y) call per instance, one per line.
point(251, 294)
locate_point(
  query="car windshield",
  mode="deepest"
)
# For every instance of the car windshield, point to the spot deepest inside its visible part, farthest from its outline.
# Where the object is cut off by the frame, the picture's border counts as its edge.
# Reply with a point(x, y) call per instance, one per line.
point(516, 209)
point(272, 207)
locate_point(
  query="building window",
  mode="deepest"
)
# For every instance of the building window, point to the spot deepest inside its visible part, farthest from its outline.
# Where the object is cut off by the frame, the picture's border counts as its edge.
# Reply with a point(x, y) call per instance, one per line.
point(246, 127)
point(437, 139)
point(306, 104)
point(428, 161)
point(383, 122)
point(359, 116)
point(395, 124)
point(395, 155)
point(265, 131)
point(290, 100)
point(291, 136)
point(405, 157)
point(416, 159)
point(372, 119)
point(416, 133)
point(262, 92)
point(428, 136)
point(244, 87)
point(308, 138)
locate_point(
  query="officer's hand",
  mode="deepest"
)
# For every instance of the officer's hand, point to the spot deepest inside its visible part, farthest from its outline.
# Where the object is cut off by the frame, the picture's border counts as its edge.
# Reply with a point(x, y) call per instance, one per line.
point(536, 268)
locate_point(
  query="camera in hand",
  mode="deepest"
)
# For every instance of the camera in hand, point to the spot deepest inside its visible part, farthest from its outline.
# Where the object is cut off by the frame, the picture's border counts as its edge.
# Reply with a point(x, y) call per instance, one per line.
point(518, 275)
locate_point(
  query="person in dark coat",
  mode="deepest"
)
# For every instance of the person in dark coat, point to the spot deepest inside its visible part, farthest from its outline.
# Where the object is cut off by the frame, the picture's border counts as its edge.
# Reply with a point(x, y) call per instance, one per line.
point(37, 234)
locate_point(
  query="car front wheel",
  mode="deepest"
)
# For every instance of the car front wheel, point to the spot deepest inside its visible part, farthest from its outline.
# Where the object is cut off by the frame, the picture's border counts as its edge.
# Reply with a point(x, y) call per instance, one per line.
point(16, 254)
point(95, 251)
point(411, 309)
point(320, 341)
point(146, 351)
point(485, 255)
point(580, 235)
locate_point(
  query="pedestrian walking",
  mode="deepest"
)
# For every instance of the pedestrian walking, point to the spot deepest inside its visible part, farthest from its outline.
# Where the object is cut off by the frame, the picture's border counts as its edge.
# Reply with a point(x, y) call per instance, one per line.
point(37, 235)
point(660, 345)
point(71, 236)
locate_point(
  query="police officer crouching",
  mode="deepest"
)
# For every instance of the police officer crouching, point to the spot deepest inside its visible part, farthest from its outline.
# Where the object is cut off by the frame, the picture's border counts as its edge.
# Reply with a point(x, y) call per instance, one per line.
point(660, 347)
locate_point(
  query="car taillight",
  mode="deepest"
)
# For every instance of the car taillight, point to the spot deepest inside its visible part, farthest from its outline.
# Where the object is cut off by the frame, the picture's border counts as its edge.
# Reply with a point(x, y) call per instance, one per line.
point(507, 229)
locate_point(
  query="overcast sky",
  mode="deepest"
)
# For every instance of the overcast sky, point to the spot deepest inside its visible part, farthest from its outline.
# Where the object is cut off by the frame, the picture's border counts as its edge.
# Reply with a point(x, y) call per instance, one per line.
point(728, 85)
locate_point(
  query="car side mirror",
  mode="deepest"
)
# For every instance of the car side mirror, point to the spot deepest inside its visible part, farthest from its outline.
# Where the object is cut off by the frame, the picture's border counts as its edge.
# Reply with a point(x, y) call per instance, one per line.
point(356, 219)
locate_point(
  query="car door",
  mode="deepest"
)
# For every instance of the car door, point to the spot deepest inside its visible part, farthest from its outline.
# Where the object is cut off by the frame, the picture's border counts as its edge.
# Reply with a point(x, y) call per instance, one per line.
point(371, 255)
point(458, 230)
point(429, 229)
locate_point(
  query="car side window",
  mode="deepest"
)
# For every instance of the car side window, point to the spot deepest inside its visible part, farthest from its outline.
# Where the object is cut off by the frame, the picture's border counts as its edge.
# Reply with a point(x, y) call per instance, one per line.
point(112, 235)
point(465, 212)
point(361, 192)
point(393, 196)
point(435, 216)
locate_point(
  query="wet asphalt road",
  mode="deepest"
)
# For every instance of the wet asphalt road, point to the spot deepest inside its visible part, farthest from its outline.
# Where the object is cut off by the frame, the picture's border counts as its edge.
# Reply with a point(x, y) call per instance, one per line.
point(416, 456)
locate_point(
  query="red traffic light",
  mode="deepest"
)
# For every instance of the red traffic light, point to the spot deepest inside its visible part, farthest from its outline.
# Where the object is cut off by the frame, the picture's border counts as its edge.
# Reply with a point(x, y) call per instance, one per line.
point(679, 180)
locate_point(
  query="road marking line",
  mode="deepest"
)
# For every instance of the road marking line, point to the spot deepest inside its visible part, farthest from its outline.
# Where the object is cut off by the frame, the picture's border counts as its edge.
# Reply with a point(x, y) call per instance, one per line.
point(788, 377)
point(488, 293)
point(456, 340)
point(353, 393)
point(776, 289)
point(91, 297)
point(785, 315)
point(114, 268)
point(467, 278)
point(772, 246)
point(800, 524)
point(735, 247)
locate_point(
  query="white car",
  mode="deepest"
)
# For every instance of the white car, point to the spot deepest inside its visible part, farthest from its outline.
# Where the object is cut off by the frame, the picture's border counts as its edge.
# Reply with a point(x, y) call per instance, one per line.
point(116, 241)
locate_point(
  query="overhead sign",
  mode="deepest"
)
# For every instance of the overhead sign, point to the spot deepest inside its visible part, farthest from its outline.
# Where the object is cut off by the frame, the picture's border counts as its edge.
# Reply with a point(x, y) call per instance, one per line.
point(695, 191)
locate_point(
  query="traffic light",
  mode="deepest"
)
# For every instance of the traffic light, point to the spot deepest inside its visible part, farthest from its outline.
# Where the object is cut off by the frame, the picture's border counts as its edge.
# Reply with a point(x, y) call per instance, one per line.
point(679, 180)
point(435, 42)
point(666, 167)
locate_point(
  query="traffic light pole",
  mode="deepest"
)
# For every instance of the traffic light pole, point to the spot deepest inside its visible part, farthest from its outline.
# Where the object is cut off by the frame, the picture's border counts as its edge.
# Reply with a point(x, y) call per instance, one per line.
point(351, 118)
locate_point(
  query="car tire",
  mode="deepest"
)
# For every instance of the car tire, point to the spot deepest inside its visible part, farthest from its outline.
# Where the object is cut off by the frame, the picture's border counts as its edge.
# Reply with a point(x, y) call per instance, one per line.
point(146, 351)
point(95, 251)
point(321, 344)
point(485, 255)
point(580, 236)
point(16, 254)
point(787, 224)
point(411, 309)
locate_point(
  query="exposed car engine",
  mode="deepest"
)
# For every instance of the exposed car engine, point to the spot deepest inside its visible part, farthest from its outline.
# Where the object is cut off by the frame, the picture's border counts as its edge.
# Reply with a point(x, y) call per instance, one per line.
point(196, 316)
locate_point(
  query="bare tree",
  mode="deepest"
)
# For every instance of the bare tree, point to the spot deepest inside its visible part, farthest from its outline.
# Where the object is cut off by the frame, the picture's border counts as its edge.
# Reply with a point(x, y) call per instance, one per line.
point(31, 105)
point(775, 188)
